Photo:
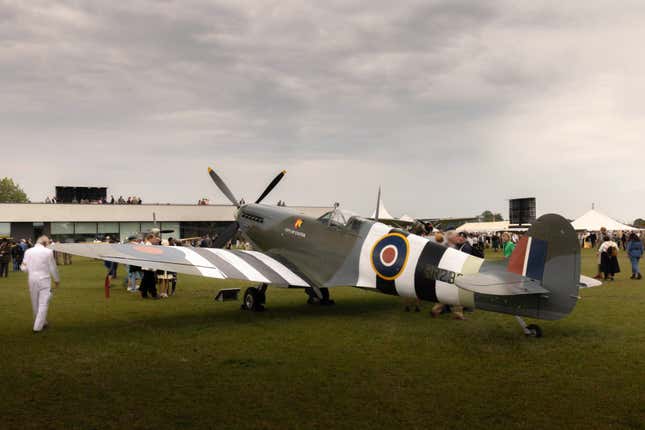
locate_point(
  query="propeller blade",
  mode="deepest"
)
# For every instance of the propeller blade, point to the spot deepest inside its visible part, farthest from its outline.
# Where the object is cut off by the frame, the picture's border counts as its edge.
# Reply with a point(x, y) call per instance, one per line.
point(227, 234)
point(222, 186)
point(271, 186)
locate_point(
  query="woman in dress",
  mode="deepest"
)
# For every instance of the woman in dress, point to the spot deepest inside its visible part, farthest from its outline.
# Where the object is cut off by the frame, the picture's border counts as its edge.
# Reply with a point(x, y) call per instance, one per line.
point(609, 258)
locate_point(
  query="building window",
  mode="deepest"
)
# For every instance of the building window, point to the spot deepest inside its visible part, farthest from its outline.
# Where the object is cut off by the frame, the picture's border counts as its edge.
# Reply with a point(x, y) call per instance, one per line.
point(111, 228)
point(62, 228)
point(85, 228)
point(174, 226)
point(128, 229)
point(147, 226)
point(5, 229)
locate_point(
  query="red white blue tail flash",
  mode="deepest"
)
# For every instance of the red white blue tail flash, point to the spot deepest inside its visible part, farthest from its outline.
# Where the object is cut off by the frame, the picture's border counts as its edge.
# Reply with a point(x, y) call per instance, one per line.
point(529, 258)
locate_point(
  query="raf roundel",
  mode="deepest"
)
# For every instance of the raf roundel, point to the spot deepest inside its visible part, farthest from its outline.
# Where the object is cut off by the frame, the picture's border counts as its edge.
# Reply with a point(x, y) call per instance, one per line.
point(390, 255)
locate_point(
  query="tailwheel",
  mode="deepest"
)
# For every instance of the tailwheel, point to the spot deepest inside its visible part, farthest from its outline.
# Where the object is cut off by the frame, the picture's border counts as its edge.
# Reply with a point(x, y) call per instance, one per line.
point(534, 330)
point(530, 330)
point(254, 299)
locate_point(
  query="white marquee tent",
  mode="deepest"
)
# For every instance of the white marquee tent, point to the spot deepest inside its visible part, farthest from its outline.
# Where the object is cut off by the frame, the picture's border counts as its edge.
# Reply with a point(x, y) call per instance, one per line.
point(382, 212)
point(594, 220)
point(484, 227)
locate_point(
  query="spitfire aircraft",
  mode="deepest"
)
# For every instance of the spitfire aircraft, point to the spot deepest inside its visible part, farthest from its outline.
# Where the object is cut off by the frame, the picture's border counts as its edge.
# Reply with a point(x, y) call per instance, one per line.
point(339, 249)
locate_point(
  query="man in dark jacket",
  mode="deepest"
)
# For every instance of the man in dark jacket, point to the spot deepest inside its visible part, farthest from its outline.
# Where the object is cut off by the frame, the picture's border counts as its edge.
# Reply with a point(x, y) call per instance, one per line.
point(16, 255)
point(149, 281)
point(5, 257)
point(635, 252)
point(462, 244)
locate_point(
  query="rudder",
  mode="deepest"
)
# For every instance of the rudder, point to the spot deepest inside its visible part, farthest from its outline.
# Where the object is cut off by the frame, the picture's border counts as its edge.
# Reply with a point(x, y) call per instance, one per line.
point(561, 265)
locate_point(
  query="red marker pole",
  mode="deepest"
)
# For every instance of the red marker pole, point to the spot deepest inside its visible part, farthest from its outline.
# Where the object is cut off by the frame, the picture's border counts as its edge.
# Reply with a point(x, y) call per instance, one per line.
point(107, 286)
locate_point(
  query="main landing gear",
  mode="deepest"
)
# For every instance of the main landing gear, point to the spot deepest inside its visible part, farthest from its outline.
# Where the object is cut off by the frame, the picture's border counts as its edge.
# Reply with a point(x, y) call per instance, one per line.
point(532, 330)
point(254, 298)
point(319, 297)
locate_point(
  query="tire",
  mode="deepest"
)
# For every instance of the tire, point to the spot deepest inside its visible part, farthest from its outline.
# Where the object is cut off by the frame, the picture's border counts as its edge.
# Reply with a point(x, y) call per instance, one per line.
point(250, 302)
point(254, 300)
point(535, 330)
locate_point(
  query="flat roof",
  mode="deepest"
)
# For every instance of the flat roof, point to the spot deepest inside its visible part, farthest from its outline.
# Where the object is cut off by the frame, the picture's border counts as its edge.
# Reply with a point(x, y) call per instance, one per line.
point(43, 212)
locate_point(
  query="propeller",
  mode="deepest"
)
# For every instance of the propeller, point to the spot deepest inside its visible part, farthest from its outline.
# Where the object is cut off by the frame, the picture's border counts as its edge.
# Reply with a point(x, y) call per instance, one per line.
point(271, 186)
point(223, 187)
point(230, 231)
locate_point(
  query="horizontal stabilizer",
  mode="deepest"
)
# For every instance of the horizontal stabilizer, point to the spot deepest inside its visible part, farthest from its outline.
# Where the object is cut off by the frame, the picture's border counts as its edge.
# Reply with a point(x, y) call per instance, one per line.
point(500, 284)
point(587, 282)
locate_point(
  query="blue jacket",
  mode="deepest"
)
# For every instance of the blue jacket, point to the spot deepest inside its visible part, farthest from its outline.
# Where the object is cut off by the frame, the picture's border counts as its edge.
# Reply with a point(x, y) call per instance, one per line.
point(635, 248)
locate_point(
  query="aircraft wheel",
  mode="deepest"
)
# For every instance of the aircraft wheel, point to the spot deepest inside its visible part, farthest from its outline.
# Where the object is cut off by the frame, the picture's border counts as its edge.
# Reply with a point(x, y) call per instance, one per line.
point(534, 330)
point(253, 300)
point(250, 299)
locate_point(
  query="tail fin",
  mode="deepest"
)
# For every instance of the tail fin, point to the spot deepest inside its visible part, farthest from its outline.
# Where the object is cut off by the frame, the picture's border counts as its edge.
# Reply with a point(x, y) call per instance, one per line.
point(542, 277)
point(561, 272)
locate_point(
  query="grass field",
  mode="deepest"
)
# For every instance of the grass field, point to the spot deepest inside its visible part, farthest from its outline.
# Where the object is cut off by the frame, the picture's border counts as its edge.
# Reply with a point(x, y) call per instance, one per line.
point(187, 362)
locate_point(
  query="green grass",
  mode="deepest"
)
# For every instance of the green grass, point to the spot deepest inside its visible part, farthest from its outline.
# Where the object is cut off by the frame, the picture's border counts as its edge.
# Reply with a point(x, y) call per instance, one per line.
point(187, 362)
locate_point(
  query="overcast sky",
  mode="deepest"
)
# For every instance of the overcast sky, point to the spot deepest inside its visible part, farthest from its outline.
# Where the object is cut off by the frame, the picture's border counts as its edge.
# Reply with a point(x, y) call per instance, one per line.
point(452, 106)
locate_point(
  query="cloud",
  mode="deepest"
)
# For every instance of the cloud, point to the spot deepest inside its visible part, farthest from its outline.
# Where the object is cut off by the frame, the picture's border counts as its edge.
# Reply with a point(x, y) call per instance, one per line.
point(452, 106)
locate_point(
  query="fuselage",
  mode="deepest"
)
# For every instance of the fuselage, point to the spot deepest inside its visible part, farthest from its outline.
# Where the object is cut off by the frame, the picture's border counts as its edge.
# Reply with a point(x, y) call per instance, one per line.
point(371, 255)
point(360, 253)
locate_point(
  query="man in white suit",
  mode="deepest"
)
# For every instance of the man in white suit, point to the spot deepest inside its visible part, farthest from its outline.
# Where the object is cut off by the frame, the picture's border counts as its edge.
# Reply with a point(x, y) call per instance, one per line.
point(39, 263)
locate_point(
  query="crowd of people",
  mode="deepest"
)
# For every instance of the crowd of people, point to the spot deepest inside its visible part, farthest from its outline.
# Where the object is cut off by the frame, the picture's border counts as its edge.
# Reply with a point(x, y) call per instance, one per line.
point(610, 243)
point(468, 242)
point(12, 251)
point(131, 200)
point(145, 280)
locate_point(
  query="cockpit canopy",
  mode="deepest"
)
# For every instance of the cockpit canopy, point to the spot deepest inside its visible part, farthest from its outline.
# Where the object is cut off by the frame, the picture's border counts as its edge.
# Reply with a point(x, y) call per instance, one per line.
point(338, 217)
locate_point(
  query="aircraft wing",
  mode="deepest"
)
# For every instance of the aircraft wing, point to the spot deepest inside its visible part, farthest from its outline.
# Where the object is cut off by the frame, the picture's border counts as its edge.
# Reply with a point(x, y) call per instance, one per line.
point(209, 262)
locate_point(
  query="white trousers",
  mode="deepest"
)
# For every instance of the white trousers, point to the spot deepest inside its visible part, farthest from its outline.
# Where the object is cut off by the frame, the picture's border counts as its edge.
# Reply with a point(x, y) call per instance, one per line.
point(40, 291)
